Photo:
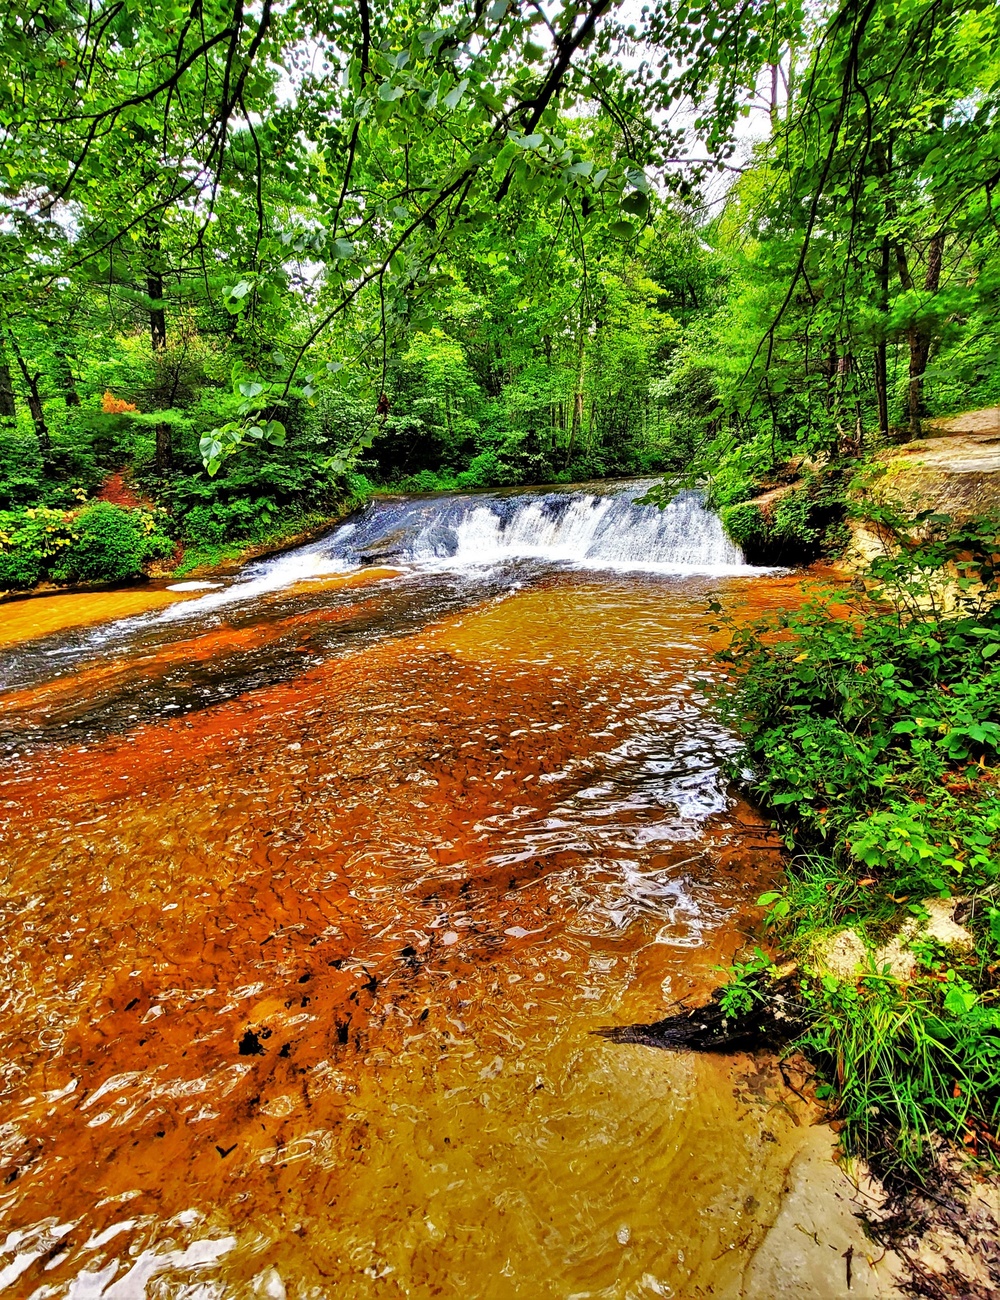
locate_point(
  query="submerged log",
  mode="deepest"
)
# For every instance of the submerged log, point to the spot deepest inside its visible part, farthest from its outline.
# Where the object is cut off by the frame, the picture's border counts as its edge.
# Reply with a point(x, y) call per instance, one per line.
point(775, 1016)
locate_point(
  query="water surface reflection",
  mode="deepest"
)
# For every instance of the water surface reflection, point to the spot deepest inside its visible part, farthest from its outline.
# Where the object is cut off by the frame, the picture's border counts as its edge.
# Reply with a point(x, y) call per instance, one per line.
point(301, 984)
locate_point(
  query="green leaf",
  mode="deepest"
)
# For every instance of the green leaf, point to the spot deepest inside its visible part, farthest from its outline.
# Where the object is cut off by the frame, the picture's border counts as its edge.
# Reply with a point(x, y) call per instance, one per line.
point(453, 96)
point(388, 93)
point(960, 1001)
point(636, 202)
point(623, 229)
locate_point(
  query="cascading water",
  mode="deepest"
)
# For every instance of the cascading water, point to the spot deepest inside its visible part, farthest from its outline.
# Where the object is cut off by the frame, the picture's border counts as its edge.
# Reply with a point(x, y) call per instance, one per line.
point(595, 530)
point(598, 528)
point(441, 553)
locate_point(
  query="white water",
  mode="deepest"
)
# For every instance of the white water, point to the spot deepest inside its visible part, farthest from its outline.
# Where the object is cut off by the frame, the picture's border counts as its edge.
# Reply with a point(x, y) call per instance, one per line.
point(593, 529)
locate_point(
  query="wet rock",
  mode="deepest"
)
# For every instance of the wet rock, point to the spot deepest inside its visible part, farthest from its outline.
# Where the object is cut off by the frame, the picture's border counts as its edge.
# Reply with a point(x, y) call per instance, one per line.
point(390, 545)
point(442, 540)
point(250, 1044)
point(817, 1245)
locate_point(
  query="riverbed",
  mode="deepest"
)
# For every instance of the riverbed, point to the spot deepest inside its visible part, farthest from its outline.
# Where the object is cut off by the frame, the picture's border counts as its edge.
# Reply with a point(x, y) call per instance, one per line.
point(317, 886)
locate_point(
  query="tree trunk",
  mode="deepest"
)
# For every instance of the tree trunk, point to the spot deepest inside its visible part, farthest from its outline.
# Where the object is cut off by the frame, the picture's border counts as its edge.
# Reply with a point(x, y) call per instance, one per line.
point(830, 368)
point(157, 338)
point(920, 338)
point(882, 154)
point(164, 449)
point(773, 109)
point(154, 286)
point(8, 403)
point(34, 400)
point(157, 315)
point(881, 353)
point(581, 370)
point(71, 396)
point(8, 407)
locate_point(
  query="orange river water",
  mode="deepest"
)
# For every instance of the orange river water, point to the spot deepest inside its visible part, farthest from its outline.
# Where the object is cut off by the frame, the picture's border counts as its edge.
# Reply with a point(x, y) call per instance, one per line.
point(301, 973)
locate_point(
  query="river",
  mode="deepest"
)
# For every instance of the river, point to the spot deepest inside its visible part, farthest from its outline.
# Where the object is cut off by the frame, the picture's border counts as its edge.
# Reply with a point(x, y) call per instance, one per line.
point(318, 882)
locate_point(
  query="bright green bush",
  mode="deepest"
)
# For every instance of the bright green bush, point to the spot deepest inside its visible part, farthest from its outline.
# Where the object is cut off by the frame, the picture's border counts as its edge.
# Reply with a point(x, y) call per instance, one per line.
point(101, 543)
point(32, 541)
point(745, 523)
point(486, 470)
point(871, 726)
point(111, 544)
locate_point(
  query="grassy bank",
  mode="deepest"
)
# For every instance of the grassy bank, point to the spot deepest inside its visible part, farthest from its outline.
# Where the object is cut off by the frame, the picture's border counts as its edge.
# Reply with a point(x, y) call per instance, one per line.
point(871, 727)
point(103, 543)
point(274, 535)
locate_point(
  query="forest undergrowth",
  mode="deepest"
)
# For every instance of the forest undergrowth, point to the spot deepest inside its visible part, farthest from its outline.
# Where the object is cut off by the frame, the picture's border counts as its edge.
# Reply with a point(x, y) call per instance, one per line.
point(871, 728)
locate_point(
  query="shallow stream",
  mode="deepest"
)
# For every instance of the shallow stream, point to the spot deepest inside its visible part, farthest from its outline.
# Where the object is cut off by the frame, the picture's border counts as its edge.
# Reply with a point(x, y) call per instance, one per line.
point(317, 884)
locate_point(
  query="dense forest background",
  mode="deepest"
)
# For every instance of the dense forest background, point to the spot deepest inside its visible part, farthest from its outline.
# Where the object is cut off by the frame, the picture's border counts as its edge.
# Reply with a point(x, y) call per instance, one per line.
point(454, 246)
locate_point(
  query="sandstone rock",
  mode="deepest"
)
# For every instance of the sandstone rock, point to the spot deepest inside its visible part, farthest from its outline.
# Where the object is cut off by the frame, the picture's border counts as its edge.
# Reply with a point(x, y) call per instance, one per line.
point(941, 926)
point(958, 474)
point(841, 954)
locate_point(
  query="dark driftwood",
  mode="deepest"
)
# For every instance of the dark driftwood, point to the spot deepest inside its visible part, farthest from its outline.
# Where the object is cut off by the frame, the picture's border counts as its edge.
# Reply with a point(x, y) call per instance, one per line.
point(776, 1017)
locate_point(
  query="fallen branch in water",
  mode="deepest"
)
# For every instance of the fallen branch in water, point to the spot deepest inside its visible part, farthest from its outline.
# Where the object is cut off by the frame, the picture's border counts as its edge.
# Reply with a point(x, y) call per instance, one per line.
point(775, 1016)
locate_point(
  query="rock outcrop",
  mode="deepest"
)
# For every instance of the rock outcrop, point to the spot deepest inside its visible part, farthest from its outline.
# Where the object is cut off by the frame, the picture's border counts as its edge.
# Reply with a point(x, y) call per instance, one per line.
point(955, 470)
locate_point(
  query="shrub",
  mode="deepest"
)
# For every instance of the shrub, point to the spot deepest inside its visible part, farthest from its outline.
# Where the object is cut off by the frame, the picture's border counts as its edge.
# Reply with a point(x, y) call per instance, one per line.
point(745, 524)
point(111, 545)
point(795, 519)
point(31, 541)
point(202, 524)
point(486, 470)
point(871, 731)
point(101, 543)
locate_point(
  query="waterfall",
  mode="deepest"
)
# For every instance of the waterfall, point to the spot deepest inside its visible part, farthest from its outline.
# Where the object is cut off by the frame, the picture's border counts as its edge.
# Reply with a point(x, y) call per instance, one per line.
point(597, 528)
point(593, 528)
point(590, 529)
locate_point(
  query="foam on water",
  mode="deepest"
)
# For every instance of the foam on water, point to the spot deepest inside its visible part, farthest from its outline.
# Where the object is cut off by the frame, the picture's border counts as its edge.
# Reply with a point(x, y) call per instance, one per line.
point(599, 528)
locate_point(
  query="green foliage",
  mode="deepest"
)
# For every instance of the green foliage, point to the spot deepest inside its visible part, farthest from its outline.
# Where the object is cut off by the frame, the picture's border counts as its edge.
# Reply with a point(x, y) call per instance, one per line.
point(111, 544)
point(870, 728)
point(908, 1062)
point(101, 543)
point(847, 706)
point(743, 988)
point(746, 524)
